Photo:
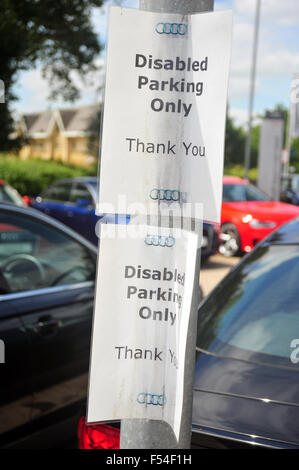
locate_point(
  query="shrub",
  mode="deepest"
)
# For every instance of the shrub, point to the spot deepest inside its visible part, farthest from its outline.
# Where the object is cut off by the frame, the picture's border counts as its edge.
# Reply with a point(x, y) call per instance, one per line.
point(30, 177)
point(238, 170)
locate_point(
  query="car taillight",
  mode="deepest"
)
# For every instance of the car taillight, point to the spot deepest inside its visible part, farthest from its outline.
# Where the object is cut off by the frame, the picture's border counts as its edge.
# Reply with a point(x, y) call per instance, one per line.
point(100, 436)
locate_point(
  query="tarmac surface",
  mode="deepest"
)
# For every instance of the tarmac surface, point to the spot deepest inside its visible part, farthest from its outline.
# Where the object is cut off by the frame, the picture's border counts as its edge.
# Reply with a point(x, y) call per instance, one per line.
point(214, 270)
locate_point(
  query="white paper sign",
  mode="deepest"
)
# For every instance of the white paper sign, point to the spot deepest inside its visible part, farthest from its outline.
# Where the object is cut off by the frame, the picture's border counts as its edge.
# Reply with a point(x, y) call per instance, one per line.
point(165, 108)
point(142, 309)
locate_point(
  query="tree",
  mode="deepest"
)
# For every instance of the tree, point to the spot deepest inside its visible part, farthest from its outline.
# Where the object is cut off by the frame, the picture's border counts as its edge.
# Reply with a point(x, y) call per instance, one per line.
point(234, 143)
point(235, 138)
point(94, 134)
point(255, 139)
point(58, 35)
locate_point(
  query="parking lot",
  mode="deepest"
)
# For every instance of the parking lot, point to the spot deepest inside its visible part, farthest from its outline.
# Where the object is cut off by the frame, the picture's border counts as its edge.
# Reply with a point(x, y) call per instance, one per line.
point(214, 270)
point(149, 227)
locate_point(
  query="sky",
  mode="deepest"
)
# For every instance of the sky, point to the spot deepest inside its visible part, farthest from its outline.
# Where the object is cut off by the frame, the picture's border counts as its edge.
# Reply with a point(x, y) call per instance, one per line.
point(278, 59)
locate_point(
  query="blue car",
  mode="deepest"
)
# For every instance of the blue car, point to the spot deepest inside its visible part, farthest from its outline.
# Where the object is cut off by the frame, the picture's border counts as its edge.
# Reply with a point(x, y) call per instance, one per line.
point(73, 201)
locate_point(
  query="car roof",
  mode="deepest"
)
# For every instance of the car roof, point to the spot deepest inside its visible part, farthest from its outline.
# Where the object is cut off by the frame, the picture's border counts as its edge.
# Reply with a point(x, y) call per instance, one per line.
point(79, 179)
point(233, 180)
point(49, 220)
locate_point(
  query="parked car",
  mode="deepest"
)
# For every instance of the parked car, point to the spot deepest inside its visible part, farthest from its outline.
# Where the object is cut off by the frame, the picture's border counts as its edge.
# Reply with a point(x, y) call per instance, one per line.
point(290, 189)
point(9, 194)
point(248, 216)
point(47, 274)
point(210, 240)
point(246, 382)
point(73, 202)
point(246, 390)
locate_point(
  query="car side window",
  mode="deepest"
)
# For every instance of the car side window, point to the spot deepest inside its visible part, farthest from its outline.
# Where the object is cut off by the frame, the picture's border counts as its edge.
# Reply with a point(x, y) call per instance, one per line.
point(254, 194)
point(233, 193)
point(80, 191)
point(35, 255)
point(59, 192)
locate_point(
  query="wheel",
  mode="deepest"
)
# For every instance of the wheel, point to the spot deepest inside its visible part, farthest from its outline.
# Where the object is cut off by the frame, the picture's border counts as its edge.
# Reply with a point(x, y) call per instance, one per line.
point(230, 240)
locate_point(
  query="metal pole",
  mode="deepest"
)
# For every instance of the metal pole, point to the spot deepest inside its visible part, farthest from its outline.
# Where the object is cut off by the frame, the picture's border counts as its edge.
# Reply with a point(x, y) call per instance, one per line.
point(288, 138)
point(150, 434)
point(184, 7)
point(252, 87)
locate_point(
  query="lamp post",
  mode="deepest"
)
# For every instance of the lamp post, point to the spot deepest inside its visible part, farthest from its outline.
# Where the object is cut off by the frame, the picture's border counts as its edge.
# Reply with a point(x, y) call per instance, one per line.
point(252, 89)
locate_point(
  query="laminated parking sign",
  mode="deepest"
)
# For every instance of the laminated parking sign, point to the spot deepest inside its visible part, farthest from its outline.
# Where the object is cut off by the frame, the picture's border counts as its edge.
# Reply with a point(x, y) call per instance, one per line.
point(142, 309)
point(165, 108)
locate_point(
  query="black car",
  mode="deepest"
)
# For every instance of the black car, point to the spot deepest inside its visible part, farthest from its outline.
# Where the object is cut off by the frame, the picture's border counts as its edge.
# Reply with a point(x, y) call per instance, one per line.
point(247, 369)
point(47, 276)
point(246, 392)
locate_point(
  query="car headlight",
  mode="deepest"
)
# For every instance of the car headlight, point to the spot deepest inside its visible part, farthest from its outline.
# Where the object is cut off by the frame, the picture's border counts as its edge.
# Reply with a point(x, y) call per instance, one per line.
point(262, 224)
point(247, 218)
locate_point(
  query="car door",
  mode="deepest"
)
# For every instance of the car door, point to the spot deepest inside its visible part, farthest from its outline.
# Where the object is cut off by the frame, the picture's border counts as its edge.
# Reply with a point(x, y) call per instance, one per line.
point(50, 280)
point(81, 214)
point(16, 390)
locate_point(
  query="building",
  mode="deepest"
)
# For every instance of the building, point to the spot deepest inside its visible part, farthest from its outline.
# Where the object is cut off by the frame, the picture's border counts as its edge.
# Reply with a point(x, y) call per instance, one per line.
point(67, 135)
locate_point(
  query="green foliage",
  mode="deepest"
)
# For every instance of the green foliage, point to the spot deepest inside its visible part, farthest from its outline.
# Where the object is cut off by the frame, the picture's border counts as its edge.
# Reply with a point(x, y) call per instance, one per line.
point(57, 35)
point(238, 170)
point(294, 160)
point(255, 136)
point(30, 177)
point(235, 138)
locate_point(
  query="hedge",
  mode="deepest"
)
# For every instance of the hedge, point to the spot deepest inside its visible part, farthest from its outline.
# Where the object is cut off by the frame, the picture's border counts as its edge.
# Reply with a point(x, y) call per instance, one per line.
point(238, 170)
point(30, 177)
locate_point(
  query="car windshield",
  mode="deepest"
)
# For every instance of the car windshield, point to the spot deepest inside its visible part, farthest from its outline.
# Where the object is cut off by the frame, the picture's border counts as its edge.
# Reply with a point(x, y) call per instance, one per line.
point(8, 194)
point(242, 193)
point(254, 313)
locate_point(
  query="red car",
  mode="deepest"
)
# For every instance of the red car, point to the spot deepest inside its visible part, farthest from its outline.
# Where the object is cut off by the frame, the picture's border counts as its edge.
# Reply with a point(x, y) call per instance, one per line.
point(248, 216)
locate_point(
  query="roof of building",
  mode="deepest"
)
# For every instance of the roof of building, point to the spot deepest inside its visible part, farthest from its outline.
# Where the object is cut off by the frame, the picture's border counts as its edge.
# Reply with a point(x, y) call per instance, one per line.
point(71, 122)
point(37, 122)
point(79, 119)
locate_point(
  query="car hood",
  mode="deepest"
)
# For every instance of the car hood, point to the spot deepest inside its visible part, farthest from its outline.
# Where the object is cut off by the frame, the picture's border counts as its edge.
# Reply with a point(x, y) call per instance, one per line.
point(246, 398)
point(265, 210)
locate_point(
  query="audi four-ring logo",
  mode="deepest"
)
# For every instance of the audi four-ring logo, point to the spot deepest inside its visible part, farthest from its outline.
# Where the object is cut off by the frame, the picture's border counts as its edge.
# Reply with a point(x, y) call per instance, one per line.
point(165, 194)
point(159, 240)
point(172, 28)
point(151, 399)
